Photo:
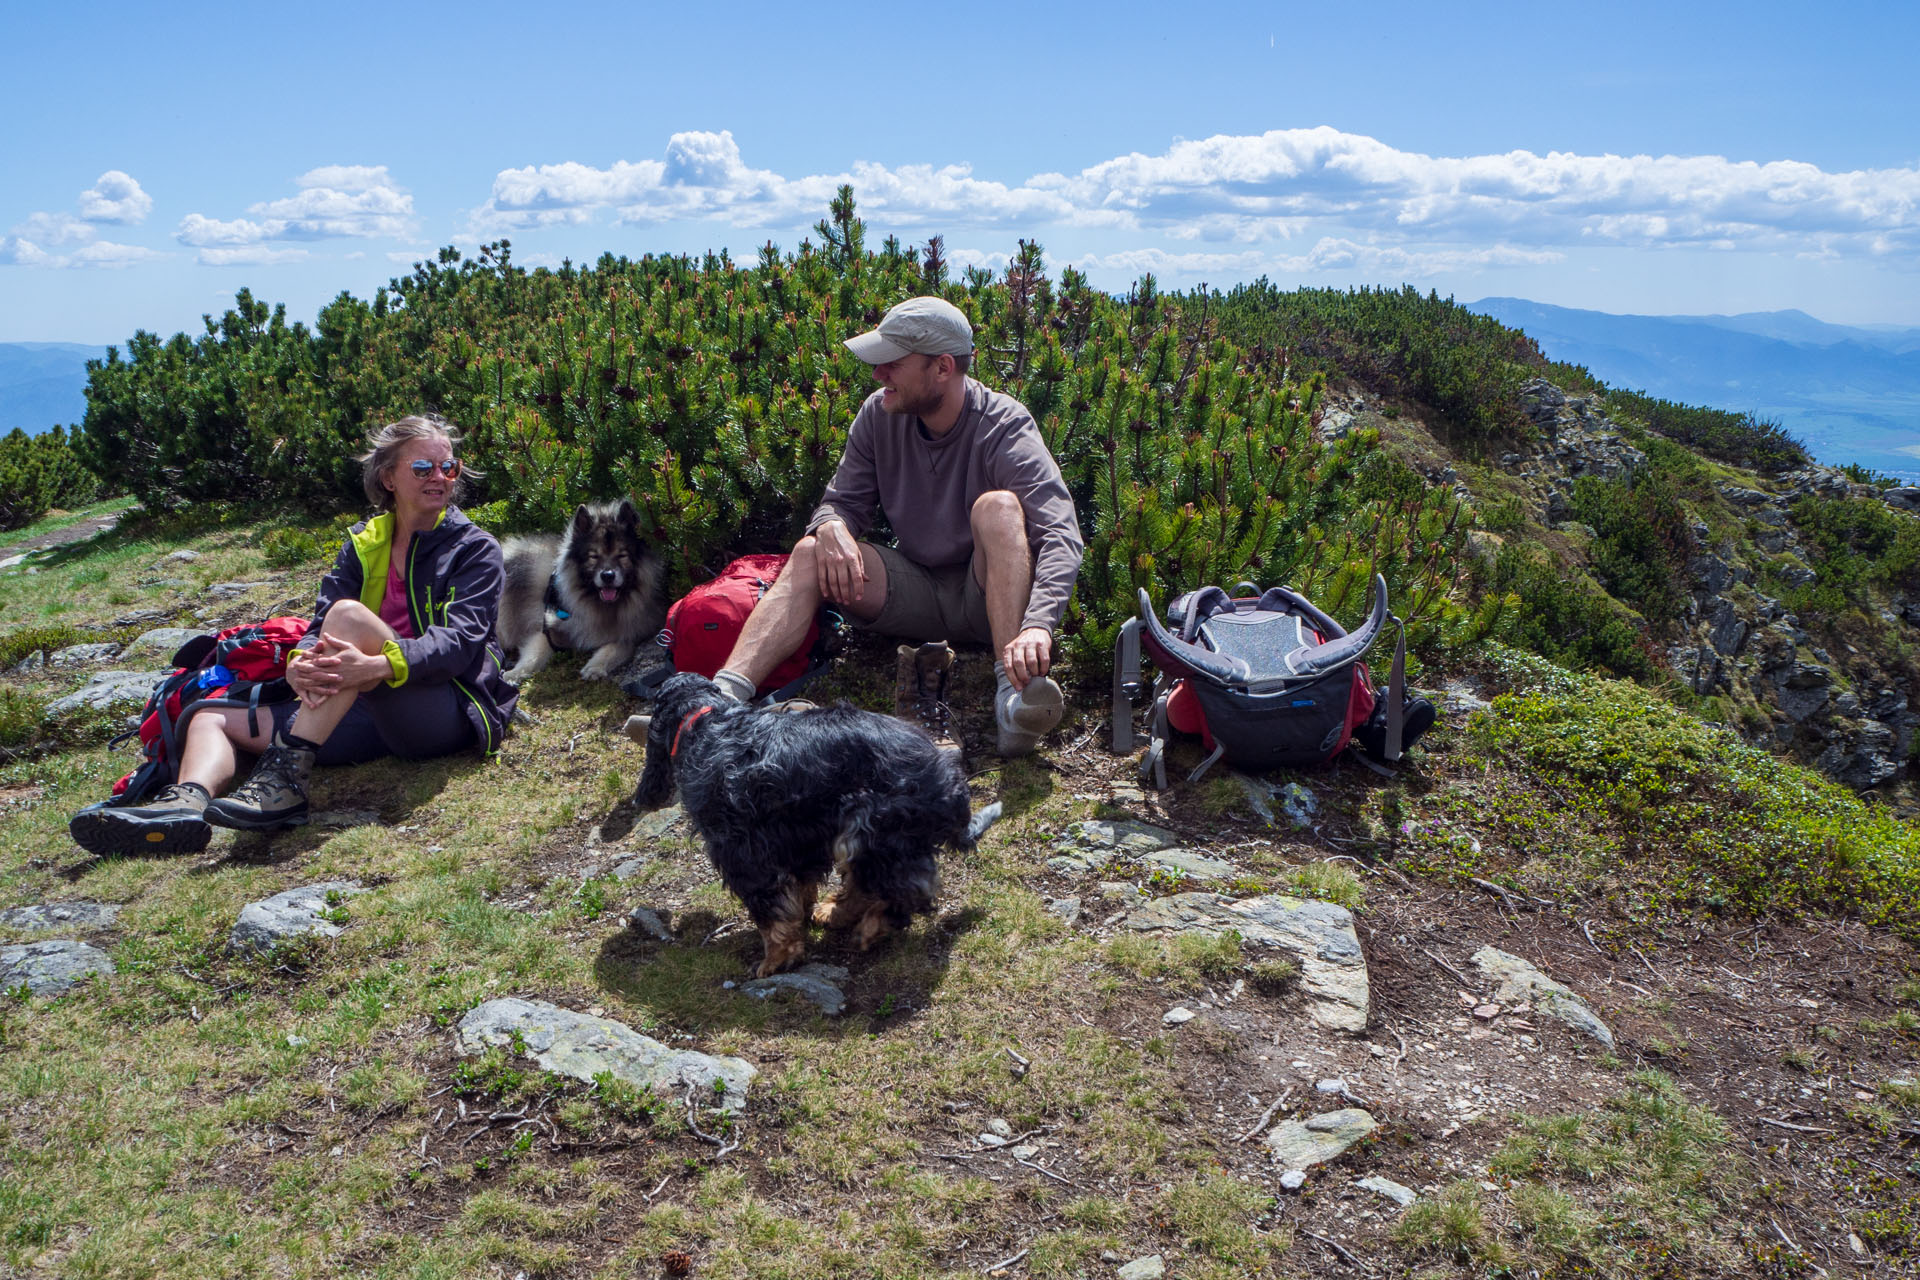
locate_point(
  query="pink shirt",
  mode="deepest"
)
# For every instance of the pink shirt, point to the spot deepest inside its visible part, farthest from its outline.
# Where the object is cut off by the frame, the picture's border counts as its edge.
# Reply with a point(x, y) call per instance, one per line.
point(393, 605)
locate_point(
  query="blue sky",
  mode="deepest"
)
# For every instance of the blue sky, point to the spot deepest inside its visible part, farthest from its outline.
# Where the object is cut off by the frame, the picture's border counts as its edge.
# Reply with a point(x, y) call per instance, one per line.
point(1665, 158)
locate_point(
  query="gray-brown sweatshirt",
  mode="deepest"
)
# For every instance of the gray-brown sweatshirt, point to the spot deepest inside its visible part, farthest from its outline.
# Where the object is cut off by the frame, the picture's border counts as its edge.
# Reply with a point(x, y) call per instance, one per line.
point(927, 487)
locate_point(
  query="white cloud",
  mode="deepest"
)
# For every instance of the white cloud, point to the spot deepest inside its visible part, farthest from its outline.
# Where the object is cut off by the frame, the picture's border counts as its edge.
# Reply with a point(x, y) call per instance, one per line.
point(115, 197)
point(334, 202)
point(21, 253)
point(1375, 203)
point(251, 255)
point(55, 228)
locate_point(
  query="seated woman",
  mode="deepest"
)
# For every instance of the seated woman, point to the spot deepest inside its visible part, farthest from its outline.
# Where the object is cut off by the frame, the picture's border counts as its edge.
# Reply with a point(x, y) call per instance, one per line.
point(401, 659)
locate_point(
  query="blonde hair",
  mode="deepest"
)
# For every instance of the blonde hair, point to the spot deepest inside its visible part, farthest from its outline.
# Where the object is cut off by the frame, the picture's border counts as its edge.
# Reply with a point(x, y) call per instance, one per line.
point(385, 443)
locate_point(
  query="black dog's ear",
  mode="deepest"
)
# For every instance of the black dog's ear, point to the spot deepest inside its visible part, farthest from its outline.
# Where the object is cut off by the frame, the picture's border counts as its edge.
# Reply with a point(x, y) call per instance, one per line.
point(656, 776)
point(582, 521)
point(628, 515)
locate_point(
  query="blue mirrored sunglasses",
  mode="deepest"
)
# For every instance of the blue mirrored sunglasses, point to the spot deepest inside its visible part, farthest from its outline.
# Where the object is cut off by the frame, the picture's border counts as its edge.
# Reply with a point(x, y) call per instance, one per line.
point(422, 468)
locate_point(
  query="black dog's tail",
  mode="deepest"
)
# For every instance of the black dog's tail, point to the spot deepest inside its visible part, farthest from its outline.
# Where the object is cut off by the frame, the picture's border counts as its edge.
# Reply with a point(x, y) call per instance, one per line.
point(985, 818)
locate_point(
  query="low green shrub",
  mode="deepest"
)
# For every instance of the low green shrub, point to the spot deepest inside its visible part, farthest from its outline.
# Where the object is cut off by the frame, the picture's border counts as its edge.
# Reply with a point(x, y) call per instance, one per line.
point(1642, 790)
point(288, 548)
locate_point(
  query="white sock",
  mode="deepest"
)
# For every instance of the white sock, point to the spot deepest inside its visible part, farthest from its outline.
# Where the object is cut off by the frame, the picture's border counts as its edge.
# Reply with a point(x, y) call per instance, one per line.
point(736, 686)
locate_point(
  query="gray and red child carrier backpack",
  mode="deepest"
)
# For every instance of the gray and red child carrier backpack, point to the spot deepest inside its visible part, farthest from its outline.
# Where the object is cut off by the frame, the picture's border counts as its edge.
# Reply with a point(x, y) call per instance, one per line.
point(1265, 678)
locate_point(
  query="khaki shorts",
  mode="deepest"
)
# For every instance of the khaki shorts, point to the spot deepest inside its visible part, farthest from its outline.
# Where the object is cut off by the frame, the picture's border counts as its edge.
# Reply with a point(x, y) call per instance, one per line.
point(930, 604)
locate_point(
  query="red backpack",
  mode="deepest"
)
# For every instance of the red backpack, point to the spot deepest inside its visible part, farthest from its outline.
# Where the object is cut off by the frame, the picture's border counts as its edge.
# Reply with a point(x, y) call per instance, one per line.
point(243, 666)
point(703, 625)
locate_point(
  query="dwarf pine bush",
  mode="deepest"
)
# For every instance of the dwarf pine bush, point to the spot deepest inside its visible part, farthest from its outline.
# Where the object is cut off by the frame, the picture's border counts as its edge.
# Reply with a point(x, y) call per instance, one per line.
point(718, 394)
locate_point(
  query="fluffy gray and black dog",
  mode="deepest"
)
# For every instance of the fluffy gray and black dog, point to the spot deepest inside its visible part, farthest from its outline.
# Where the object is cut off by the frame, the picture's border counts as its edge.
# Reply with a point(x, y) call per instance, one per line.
point(597, 586)
point(783, 798)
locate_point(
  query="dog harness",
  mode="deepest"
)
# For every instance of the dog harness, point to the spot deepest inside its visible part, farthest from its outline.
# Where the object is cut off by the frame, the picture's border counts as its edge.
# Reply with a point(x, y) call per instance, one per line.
point(685, 721)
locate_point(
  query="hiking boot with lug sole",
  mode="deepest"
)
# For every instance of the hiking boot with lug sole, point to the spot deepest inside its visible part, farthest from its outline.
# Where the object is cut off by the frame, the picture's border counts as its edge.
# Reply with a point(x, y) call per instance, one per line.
point(171, 822)
point(1024, 715)
point(922, 676)
point(274, 796)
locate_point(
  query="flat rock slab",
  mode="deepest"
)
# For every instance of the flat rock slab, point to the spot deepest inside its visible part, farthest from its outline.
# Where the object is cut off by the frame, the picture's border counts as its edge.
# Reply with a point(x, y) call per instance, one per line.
point(161, 640)
point(820, 983)
point(1522, 983)
point(285, 916)
point(1400, 1195)
point(1194, 866)
point(105, 690)
point(62, 915)
point(81, 655)
point(1152, 1267)
point(1088, 846)
point(50, 968)
point(1319, 935)
point(660, 823)
point(1302, 1144)
point(582, 1046)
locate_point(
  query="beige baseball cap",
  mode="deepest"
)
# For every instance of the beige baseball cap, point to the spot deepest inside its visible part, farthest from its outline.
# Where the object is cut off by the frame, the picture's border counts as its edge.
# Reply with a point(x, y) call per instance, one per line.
point(918, 326)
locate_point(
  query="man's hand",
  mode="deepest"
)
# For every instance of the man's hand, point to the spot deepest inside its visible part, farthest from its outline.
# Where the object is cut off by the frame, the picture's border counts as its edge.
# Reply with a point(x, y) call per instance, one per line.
point(839, 567)
point(1027, 655)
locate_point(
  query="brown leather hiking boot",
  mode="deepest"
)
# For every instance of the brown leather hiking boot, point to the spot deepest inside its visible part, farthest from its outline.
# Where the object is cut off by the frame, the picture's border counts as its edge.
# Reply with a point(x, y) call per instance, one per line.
point(922, 676)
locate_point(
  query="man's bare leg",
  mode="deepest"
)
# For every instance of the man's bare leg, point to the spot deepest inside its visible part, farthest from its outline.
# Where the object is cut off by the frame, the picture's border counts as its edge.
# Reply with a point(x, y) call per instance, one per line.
point(779, 622)
point(1026, 702)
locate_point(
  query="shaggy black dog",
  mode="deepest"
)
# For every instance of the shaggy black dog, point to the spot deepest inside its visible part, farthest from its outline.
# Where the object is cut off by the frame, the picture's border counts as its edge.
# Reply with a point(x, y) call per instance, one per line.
point(782, 798)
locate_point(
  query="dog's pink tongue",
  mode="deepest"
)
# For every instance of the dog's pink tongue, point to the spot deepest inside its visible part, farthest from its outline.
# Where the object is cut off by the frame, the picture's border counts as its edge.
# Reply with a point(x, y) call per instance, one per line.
point(609, 594)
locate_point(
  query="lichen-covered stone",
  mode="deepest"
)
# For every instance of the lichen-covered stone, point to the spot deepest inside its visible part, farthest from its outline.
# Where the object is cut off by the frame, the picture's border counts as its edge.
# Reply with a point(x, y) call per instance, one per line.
point(1320, 935)
point(582, 1046)
point(1522, 983)
point(50, 968)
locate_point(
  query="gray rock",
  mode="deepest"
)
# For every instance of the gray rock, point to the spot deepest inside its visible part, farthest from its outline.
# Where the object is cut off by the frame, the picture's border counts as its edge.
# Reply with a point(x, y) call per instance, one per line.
point(105, 690)
point(647, 921)
point(1521, 983)
point(1728, 629)
point(1177, 1015)
point(1127, 837)
point(1193, 865)
point(1077, 862)
point(819, 983)
point(161, 640)
point(1402, 1196)
point(1302, 1144)
point(50, 968)
point(1068, 909)
point(1903, 497)
point(658, 824)
point(1292, 1180)
point(1151, 1267)
point(80, 655)
point(628, 868)
point(1319, 935)
point(55, 915)
point(285, 916)
point(1459, 697)
point(999, 1127)
point(228, 590)
point(1123, 891)
point(185, 555)
point(581, 1046)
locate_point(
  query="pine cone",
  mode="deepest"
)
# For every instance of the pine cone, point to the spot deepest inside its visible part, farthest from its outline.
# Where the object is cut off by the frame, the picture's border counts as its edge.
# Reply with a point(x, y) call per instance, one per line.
point(677, 1262)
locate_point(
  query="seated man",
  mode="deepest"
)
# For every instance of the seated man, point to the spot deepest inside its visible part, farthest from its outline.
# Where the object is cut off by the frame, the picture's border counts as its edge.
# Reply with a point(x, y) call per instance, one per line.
point(989, 545)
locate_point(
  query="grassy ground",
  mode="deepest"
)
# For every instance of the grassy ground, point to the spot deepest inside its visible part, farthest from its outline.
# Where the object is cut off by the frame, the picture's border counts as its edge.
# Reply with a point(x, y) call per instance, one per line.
point(196, 1114)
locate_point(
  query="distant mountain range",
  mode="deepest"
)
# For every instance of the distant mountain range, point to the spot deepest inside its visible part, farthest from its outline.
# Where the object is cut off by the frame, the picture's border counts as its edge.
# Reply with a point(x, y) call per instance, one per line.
point(1851, 393)
point(42, 384)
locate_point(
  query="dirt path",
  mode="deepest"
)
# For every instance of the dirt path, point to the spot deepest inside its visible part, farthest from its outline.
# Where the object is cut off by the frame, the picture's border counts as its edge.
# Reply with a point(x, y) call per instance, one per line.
point(61, 537)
